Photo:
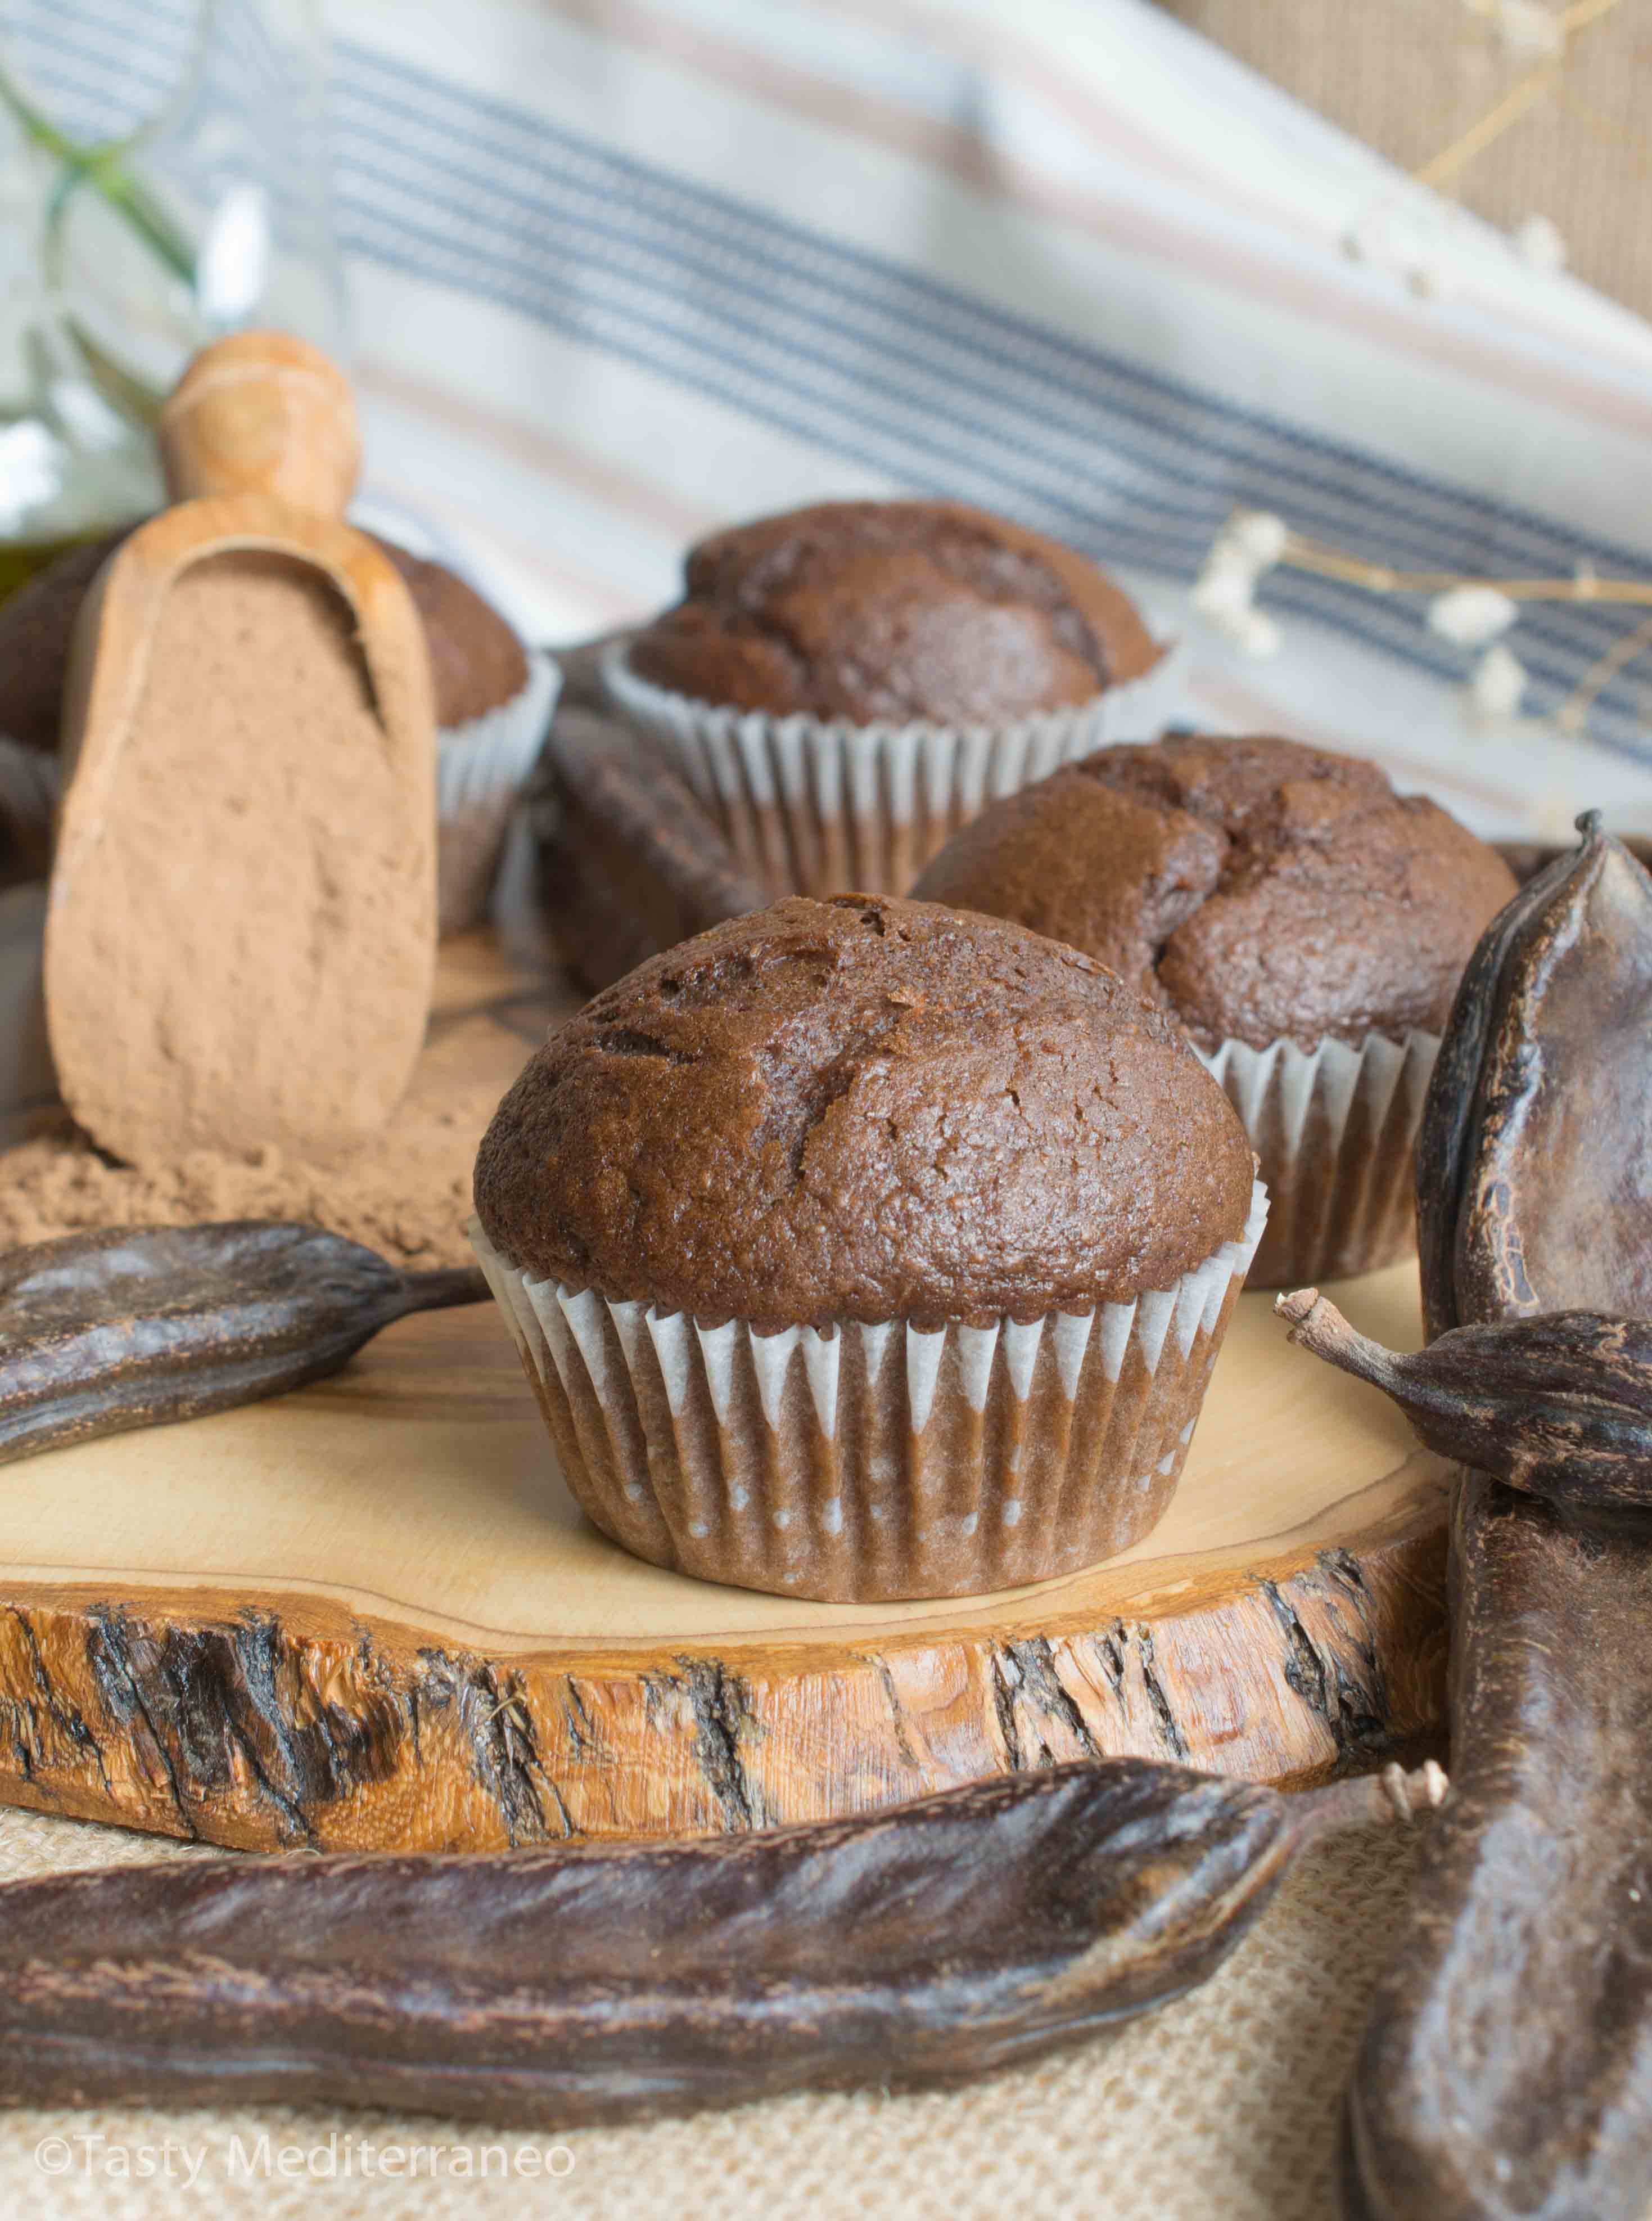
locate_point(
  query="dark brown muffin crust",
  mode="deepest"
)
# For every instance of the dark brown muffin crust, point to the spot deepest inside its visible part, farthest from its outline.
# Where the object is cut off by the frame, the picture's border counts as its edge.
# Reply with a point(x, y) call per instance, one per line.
point(476, 661)
point(865, 1109)
point(1258, 889)
point(901, 610)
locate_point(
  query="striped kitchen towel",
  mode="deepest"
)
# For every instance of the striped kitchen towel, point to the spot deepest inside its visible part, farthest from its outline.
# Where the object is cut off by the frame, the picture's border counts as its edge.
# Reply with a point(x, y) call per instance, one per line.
point(622, 270)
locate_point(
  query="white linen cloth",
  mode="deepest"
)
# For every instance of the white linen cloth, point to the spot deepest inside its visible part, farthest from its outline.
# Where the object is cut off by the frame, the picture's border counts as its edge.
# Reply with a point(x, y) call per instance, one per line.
point(623, 270)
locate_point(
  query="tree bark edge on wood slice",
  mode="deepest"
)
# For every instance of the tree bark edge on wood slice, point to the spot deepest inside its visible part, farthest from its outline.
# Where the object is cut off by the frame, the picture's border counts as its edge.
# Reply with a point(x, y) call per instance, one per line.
point(272, 1723)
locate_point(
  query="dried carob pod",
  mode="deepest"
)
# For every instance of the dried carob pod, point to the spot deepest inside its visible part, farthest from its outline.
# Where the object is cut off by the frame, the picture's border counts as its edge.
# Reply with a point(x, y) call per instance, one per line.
point(1506, 2066)
point(1534, 1167)
point(922, 1944)
point(1560, 1405)
point(133, 1327)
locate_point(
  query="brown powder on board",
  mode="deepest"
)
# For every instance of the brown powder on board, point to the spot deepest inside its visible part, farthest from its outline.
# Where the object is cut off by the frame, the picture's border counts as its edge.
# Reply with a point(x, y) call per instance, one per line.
point(408, 1195)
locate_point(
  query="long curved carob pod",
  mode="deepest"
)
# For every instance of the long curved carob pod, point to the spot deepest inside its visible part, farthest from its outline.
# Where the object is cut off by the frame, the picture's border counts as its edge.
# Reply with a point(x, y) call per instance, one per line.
point(924, 1945)
point(136, 1326)
point(1506, 2066)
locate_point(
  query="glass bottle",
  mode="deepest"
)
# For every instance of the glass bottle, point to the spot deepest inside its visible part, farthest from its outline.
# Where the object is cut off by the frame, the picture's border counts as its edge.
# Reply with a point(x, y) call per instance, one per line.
point(163, 180)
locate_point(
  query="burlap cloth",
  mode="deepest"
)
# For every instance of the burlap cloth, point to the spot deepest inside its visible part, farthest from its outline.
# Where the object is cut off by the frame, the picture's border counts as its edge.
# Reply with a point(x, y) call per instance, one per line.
point(1409, 77)
point(1221, 2107)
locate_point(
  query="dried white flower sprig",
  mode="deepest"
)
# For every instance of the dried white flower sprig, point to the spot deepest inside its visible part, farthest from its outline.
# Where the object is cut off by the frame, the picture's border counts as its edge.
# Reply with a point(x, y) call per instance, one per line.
point(1250, 545)
point(1470, 616)
point(1497, 686)
point(1477, 617)
point(1537, 37)
point(1530, 31)
point(1473, 613)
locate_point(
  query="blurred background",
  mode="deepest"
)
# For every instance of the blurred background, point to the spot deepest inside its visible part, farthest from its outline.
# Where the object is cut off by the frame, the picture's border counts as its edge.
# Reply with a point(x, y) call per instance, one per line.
point(610, 272)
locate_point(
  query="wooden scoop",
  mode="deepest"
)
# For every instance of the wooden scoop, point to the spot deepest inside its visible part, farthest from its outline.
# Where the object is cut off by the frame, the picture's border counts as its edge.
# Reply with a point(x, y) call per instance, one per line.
point(241, 928)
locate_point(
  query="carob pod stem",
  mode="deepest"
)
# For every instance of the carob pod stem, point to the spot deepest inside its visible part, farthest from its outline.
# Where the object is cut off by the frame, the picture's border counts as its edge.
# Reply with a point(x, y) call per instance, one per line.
point(1506, 2066)
point(1525, 858)
point(133, 1327)
point(921, 1944)
point(1559, 1405)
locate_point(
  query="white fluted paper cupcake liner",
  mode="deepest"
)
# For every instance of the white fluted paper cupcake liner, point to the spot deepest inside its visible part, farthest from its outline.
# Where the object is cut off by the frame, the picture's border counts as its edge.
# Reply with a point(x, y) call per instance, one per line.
point(860, 1463)
point(1335, 1133)
point(817, 806)
point(481, 768)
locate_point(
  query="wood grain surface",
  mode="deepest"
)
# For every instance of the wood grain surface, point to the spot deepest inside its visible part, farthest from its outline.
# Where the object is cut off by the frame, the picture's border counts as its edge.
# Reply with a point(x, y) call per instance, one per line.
point(370, 1616)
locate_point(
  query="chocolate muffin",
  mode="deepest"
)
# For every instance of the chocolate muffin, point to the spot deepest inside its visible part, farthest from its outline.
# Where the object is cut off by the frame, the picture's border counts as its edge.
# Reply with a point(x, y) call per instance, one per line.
point(1306, 925)
point(476, 661)
point(822, 665)
point(480, 671)
point(494, 705)
point(865, 1248)
point(892, 610)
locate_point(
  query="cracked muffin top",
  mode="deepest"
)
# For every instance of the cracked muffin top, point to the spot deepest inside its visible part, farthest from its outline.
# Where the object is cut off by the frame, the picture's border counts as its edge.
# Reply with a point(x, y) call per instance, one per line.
point(904, 611)
point(865, 1109)
point(1257, 889)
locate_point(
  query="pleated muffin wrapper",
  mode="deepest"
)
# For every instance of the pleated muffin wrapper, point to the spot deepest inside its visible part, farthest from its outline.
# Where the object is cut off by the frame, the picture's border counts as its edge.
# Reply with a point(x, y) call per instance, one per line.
point(481, 768)
point(859, 1464)
point(815, 806)
point(1335, 1132)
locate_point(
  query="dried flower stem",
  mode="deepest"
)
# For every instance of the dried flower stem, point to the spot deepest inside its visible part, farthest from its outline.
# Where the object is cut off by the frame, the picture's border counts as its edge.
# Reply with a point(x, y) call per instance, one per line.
point(1471, 611)
point(1379, 578)
point(1582, 12)
point(1458, 156)
point(1308, 555)
point(1601, 673)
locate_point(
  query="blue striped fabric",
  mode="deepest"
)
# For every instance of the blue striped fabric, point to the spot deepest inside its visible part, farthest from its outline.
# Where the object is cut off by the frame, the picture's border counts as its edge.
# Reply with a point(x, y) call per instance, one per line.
point(105, 69)
point(938, 389)
point(886, 366)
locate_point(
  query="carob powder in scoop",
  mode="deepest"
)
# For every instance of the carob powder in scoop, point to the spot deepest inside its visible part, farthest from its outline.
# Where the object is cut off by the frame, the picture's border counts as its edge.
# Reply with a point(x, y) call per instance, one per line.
point(242, 923)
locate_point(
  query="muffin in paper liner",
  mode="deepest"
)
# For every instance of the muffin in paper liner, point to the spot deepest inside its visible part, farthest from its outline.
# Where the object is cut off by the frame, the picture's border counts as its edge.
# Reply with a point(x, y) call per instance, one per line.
point(862, 1463)
point(813, 805)
point(481, 768)
point(1335, 1132)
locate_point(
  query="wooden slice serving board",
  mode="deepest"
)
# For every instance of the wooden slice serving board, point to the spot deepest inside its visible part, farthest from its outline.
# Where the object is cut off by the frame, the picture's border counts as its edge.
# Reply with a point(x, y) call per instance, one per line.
point(369, 1615)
